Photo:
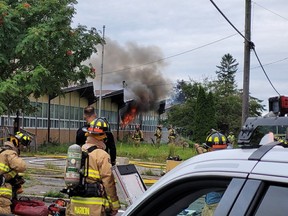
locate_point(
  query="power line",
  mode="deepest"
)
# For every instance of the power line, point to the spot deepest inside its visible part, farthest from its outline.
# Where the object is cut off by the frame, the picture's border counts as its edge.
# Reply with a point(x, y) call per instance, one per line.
point(172, 56)
point(229, 21)
point(265, 72)
point(202, 46)
point(252, 46)
point(270, 11)
point(270, 63)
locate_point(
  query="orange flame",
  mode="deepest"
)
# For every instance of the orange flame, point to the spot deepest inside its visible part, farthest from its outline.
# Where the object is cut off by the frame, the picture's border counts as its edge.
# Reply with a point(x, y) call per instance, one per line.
point(129, 117)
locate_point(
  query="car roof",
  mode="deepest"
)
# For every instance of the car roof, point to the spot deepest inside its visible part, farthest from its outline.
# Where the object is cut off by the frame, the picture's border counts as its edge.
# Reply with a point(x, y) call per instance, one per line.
point(227, 163)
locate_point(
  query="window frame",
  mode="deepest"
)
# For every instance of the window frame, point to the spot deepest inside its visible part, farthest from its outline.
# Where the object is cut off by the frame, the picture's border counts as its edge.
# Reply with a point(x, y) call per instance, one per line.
point(261, 194)
point(173, 197)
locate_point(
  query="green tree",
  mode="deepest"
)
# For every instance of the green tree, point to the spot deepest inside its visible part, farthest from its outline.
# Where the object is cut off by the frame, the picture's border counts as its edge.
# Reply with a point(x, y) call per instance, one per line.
point(40, 51)
point(228, 100)
point(220, 108)
point(226, 75)
point(202, 116)
point(182, 112)
point(211, 110)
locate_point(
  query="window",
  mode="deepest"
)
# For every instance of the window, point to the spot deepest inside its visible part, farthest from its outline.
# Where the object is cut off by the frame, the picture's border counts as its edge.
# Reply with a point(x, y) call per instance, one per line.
point(61, 112)
point(39, 123)
point(260, 131)
point(274, 202)
point(186, 197)
point(44, 110)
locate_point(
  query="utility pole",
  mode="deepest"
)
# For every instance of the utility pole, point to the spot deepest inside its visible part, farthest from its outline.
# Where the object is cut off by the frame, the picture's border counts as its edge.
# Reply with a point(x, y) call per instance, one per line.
point(246, 70)
point(101, 76)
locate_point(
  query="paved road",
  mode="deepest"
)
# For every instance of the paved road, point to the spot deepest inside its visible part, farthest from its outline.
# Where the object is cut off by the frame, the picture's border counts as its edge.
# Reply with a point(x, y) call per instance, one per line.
point(45, 175)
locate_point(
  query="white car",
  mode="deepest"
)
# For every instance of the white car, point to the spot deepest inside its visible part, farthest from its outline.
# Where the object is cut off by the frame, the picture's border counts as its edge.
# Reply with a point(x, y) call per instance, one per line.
point(253, 182)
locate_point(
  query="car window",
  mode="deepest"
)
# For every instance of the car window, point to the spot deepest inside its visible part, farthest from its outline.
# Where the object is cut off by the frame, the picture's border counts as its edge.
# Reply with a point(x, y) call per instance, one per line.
point(185, 197)
point(274, 202)
point(201, 205)
point(279, 132)
point(201, 201)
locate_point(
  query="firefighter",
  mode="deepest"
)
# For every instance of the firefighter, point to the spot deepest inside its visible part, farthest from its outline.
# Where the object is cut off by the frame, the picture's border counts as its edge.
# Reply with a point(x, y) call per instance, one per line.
point(99, 197)
point(214, 141)
point(171, 141)
point(158, 135)
point(10, 167)
point(171, 134)
point(109, 141)
point(89, 115)
point(231, 139)
point(137, 136)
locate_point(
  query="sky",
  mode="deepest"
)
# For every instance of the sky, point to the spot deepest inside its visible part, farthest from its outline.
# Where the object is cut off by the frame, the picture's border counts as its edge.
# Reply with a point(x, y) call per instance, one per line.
point(186, 40)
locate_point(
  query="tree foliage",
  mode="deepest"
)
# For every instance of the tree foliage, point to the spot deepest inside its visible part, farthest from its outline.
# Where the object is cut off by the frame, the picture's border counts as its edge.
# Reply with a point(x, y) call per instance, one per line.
point(40, 51)
point(213, 103)
point(225, 83)
point(204, 115)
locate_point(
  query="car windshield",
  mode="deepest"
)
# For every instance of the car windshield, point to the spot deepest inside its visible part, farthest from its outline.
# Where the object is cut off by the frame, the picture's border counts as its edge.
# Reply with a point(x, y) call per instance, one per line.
point(279, 132)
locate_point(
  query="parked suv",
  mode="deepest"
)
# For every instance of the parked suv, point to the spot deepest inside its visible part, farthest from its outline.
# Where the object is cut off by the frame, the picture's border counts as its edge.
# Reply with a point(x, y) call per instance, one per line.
point(254, 181)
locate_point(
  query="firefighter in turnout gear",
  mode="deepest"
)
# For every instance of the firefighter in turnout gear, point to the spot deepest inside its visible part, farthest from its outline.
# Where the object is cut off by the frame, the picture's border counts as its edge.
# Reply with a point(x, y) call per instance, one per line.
point(10, 167)
point(171, 141)
point(171, 134)
point(214, 141)
point(137, 136)
point(158, 135)
point(99, 197)
point(232, 140)
point(109, 141)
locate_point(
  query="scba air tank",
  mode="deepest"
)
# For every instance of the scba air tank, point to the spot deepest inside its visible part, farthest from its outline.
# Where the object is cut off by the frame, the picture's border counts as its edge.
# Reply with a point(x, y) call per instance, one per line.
point(73, 166)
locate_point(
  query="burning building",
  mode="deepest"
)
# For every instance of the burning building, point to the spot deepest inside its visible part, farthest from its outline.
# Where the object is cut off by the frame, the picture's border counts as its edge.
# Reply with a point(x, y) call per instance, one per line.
point(123, 115)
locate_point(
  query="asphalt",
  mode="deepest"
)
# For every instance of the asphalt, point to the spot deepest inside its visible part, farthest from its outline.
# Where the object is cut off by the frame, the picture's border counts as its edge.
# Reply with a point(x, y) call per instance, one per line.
point(45, 176)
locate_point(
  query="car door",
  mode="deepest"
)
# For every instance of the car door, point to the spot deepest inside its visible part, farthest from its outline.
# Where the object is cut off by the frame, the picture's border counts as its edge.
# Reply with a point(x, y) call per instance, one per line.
point(266, 190)
point(187, 196)
point(259, 198)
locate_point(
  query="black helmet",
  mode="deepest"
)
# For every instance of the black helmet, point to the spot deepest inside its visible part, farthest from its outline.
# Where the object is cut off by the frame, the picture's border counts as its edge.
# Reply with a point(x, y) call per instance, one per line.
point(216, 140)
point(107, 123)
point(97, 126)
point(22, 138)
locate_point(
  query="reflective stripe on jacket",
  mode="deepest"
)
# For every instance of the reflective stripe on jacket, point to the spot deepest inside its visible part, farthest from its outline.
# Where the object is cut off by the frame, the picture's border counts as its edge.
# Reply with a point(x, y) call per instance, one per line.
point(100, 170)
point(90, 200)
point(10, 165)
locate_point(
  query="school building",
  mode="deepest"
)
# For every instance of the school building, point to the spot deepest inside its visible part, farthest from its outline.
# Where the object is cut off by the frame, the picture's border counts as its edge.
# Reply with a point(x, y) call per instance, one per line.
point(58, 117)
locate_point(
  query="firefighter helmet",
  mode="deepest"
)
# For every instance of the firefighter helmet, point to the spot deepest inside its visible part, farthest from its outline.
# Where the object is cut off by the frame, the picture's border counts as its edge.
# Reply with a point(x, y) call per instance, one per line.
point(107, 128)
point(22, 138)
point(97, 126)
point(216, 140)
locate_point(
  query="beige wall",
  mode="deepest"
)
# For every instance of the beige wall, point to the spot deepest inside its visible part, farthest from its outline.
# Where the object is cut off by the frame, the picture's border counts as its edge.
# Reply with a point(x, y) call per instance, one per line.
point(68, 135)
point(57, 135)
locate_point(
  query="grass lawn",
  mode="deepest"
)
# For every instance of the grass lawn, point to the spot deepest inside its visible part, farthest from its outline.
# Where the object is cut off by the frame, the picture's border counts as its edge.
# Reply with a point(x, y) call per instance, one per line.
point(146, 152)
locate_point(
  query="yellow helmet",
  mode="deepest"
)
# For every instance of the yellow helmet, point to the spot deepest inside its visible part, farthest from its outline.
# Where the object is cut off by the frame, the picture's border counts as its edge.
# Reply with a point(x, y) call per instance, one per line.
point(21, 137)
point(97, 126)
point(107, 128)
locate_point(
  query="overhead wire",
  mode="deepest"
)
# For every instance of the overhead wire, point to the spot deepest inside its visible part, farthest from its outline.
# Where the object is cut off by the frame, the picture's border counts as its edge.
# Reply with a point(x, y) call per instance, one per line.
point(251, 44)
point(255, 3)
point(172, 56)
point(274, 62)
point(168, 57)
point(207, 44)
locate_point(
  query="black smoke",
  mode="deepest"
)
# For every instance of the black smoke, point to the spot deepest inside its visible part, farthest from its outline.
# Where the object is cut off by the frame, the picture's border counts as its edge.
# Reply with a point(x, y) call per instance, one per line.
point(137, 69)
